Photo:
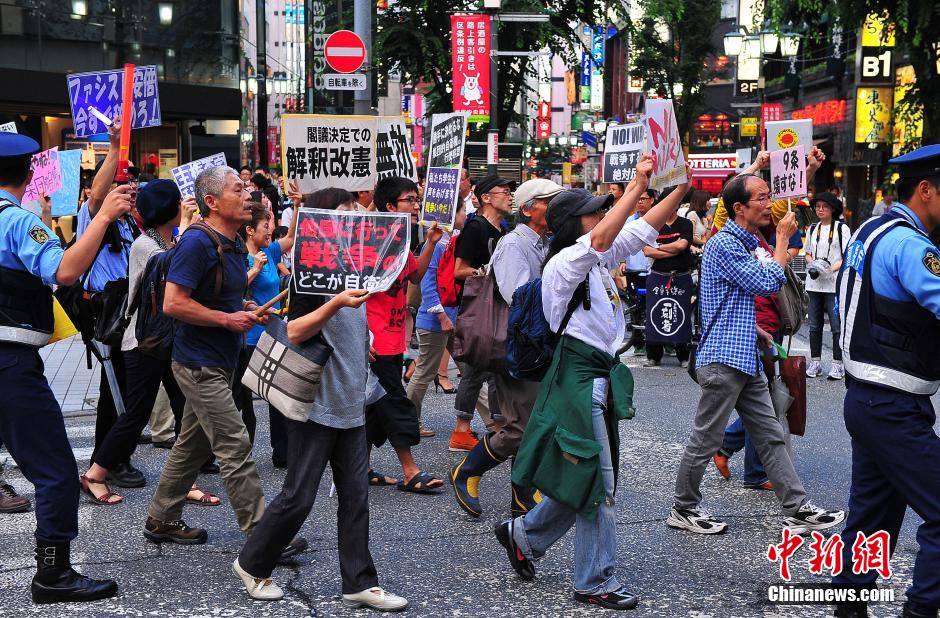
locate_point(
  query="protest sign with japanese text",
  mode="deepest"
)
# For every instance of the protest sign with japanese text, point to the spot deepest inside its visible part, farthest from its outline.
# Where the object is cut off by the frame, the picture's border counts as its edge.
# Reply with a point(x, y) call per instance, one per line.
point(789, 133)
point(8, 127)
point(102, 91)
point(185, 175)
point(46, 176)
point(345, 250)
point(622, 149)
point(664, 140)
point(393, 150)
point(65, 199)
point(788, 172)
point(445, 156)
point(470, 54)
point(349, 152)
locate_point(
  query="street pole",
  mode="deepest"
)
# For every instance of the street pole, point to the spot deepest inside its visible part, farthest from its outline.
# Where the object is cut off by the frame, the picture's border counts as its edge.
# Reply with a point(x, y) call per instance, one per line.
point(362, 18)
point(493, 168)
point(261, 49)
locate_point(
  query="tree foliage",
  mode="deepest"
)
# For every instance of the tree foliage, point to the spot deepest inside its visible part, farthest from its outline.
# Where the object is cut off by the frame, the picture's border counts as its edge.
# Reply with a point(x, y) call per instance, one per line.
point(414, 39)
point(670, 46)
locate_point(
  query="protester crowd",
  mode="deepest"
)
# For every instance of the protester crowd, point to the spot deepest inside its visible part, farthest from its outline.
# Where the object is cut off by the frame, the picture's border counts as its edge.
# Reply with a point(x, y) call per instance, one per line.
point(203, 278)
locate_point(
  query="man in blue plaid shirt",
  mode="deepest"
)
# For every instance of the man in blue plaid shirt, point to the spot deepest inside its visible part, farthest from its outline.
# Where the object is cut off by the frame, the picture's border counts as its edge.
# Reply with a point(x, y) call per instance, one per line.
point(728, 368)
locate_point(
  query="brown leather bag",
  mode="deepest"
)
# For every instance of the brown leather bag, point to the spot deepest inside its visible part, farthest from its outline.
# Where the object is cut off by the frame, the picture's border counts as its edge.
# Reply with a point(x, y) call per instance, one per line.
point(482, 322)
point(793, 373)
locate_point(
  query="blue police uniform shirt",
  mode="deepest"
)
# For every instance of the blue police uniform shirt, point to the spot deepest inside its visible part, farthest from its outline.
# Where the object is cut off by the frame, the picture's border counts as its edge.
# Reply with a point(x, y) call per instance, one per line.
point(109, 265)
point(27, 244)
point(906, 264)
point(193, 266)
point(265, 286)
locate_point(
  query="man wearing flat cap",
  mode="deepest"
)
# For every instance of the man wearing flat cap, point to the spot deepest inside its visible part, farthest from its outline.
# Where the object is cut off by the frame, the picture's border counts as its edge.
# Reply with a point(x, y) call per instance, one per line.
point(31, 261)
point(889, 302)
point(516, 261)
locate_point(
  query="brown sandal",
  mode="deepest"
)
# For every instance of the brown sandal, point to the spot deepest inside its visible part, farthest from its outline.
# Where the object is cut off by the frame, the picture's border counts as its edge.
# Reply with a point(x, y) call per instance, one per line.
point(104, 498)
point(205, 500)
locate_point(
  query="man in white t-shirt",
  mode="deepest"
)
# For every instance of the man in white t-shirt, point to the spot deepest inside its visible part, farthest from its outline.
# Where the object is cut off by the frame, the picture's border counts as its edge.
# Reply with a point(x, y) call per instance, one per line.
point(825, 245)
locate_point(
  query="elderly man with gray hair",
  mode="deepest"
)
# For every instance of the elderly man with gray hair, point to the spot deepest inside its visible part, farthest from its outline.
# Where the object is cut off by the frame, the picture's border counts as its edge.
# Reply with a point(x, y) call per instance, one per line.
point(516, 260)
point(205, 290)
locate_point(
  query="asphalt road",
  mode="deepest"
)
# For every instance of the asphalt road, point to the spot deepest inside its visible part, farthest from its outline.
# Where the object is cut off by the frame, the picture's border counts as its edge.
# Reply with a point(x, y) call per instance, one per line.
point(426, 549)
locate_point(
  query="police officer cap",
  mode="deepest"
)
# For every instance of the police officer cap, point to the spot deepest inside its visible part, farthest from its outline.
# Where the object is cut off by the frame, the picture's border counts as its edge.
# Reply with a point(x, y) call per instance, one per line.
point(16, 145)
point(920, 163)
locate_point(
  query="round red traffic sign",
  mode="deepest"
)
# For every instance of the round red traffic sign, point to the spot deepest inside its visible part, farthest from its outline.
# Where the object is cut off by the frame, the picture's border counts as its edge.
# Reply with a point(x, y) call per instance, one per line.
point(344, 51)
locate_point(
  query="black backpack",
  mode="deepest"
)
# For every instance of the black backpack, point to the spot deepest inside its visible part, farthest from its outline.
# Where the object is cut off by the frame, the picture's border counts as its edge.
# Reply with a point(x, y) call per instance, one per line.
point(155, 330)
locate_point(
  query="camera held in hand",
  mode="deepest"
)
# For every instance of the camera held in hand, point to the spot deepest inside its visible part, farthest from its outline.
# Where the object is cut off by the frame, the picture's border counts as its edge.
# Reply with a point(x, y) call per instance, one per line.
point(818, 267)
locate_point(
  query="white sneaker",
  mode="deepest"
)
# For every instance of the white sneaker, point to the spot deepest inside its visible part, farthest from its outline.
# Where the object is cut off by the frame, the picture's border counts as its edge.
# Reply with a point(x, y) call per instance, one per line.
point(376, 598)
point(814, 369)
point(261, 589)
point(836, 371)
point(696, 520)
point(811, 517)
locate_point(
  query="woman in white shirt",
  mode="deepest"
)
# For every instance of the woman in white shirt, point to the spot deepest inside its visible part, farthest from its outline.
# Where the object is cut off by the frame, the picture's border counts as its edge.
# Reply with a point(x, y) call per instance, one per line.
point(825, 245)
point(588, 243)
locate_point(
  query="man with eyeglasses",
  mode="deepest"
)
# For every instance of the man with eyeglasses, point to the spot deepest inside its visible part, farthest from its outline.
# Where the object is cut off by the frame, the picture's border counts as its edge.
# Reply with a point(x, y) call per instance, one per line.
point(728, 367)
point(393, 418)
point(475, 246)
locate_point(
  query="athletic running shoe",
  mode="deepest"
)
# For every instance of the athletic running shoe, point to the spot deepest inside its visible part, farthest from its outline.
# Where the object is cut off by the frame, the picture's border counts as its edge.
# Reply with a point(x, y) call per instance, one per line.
point(696, 520)
point(811, 517)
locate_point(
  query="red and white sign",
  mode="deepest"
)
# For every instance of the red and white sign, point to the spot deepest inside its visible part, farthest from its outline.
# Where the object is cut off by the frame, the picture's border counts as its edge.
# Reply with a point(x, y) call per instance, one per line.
point(769, 112)
point(470, 49)
point(344, 51)
point(543, 122)
point(713, 165)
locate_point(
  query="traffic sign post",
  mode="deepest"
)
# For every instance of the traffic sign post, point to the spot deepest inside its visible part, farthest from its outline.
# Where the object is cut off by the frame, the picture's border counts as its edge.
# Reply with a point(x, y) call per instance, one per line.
point(344, 51)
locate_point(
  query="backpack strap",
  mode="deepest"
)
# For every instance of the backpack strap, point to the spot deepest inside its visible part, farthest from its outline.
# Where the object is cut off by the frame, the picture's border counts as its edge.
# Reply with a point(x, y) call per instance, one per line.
point(580, 296)
point(220, 249)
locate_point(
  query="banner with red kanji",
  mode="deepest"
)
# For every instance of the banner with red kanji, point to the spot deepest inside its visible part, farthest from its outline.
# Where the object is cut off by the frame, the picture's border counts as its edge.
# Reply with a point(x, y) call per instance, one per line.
point(470, 53)
point(344, 250)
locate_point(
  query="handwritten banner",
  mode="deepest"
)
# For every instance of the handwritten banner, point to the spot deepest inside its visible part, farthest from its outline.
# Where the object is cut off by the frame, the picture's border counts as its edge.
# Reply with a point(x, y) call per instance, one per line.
point(788, 172)
point(46, 176)
point(663, 139)
point(622, 148)
point(341, 250)
point(102, 91)
point(349, 152)
point(668, 308)
point(185, 175)
point(445, 157)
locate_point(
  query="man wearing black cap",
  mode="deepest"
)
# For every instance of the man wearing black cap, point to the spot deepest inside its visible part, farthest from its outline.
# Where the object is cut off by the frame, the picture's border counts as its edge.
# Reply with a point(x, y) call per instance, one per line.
point(475, 245)
point(889, 302)
point(31, 260)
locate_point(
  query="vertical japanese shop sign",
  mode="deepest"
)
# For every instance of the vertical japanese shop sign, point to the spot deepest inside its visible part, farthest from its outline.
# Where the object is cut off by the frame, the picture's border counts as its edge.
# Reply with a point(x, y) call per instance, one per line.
point(448, 133)
point(470, 50)
point(338, 250)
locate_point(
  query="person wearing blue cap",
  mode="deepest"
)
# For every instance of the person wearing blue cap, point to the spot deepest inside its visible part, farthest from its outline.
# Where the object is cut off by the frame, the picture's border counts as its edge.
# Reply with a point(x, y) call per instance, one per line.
point(889, 303)
point(31, 423)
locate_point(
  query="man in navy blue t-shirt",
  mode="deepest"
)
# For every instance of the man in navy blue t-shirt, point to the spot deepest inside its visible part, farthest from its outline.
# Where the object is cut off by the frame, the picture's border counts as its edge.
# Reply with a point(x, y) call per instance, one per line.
point(212, 318)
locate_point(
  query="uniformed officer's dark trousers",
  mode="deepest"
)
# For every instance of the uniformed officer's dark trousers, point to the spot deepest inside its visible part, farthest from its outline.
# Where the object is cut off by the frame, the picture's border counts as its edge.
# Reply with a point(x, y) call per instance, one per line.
point(895, 464)
point(32, 427)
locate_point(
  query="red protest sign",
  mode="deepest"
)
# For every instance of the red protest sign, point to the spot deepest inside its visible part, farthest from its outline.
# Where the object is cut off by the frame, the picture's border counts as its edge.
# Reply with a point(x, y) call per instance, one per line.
point(344, 250)
point(470, 49)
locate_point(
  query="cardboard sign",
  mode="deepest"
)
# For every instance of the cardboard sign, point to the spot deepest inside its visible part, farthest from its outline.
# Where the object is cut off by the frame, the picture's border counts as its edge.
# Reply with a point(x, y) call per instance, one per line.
point(788, 172)
point(470, 54)
point(8, 127)
point(789, 133)
point(321, 151)
point(622, 148)
point(663, 139)
point(343, 250)
point(668, 308)
point(448, 134)
point(101, 91)
point(46, 177)
point(185, 175)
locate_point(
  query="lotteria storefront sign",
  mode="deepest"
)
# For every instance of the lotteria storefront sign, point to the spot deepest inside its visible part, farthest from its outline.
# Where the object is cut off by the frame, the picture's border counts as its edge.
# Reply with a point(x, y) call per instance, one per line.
point(713, 165)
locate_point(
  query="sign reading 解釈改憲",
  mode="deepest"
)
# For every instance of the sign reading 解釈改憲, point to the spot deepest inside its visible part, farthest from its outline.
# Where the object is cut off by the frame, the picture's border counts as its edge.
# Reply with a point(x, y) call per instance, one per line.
point(342, 250)
point(102, 91)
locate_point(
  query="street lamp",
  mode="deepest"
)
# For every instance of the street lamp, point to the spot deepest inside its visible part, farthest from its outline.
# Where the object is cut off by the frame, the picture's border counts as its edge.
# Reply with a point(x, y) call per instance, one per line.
point(588, 125)
point(165, 11)
point(733, 41)
point(790, 44)
point(600, 127)
point(79, 8)
point(769, 41)
point(552, 140)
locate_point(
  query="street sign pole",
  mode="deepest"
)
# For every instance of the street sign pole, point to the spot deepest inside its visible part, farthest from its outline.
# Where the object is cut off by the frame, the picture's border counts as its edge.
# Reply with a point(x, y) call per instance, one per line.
point(262, 99)
point(493, 166)
point(362, 14)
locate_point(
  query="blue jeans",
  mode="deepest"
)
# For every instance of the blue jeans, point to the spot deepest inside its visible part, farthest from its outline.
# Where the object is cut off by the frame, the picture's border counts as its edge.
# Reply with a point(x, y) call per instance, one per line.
point(595, 542)
point(736, 438)
point(820, 302)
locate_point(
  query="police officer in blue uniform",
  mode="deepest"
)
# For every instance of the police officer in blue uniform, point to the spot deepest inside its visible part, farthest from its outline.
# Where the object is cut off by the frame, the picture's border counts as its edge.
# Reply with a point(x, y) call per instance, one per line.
point(31, 422)
point(889, 302)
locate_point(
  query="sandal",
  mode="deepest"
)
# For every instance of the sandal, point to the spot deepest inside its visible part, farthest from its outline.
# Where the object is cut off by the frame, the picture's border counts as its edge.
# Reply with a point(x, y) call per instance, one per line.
point(205, 500)
point(380, 480)
point(420, 483)
point(104, 498)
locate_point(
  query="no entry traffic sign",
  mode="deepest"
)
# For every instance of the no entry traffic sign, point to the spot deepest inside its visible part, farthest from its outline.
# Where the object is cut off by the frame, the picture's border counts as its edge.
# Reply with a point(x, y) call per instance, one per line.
point(344, 51)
